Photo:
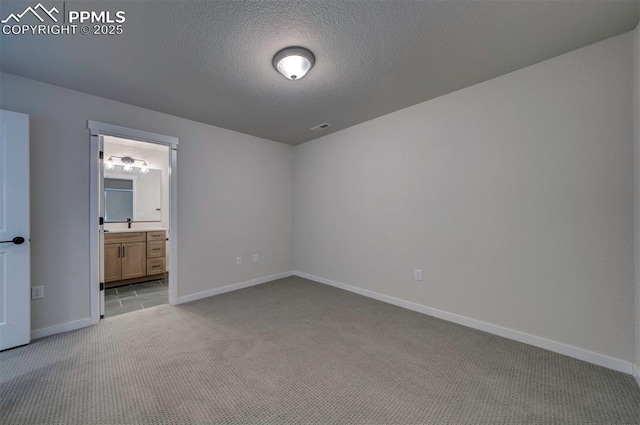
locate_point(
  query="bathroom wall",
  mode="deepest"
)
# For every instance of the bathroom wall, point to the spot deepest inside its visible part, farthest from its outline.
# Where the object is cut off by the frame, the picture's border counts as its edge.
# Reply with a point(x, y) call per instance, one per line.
point(157, 157)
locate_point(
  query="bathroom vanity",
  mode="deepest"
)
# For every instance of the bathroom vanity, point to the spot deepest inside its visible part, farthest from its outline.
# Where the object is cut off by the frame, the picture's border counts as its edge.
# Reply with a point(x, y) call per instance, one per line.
point(132, 256)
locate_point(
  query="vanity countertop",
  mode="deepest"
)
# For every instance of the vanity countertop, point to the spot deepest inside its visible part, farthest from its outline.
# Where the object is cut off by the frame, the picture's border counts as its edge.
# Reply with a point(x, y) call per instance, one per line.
point(150, 229)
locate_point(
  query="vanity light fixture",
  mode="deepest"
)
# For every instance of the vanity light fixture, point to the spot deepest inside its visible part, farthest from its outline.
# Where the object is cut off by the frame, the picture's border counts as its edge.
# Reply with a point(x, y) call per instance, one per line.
point(294, 62)
point(128, 164)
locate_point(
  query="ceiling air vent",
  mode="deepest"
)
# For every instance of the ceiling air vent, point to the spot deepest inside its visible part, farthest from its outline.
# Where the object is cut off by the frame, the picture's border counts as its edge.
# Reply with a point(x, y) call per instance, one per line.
point(320, 127)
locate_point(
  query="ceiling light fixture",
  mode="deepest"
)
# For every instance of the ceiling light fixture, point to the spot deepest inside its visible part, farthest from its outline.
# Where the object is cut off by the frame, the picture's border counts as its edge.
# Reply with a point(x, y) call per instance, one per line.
point(128, 164)
point(294, 62)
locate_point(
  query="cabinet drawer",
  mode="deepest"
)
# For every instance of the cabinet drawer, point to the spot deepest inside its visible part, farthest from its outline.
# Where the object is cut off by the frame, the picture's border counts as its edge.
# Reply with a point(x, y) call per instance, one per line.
point(156, 249)
point(125, 237)
point(156, 236)
point(156, 266)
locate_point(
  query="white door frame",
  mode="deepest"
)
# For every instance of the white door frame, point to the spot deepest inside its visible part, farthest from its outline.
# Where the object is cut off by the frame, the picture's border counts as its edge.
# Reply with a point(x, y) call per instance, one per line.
point(98, 129)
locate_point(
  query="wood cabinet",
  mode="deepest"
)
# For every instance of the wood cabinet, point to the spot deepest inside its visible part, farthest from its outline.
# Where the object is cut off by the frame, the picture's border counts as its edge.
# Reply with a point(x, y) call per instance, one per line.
point(156, 249)
point(134, 260)
point(159, 235)
point(112, 262)
point(156, 253)
point(131, 257)
point(156, 266)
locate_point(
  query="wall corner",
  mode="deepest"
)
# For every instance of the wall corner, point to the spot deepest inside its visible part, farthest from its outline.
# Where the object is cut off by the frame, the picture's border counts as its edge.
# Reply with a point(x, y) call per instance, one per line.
point(636, 179)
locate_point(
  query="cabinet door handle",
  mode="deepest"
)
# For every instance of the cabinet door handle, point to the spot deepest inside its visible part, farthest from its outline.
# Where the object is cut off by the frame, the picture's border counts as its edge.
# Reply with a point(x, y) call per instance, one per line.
point(156, 249)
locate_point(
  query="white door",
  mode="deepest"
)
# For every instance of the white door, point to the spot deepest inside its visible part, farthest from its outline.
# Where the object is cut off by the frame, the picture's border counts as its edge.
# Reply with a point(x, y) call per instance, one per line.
point(15, 274)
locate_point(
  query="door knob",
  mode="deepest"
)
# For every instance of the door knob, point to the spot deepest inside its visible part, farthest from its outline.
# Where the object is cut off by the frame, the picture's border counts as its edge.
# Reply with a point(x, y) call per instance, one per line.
point(18, 240)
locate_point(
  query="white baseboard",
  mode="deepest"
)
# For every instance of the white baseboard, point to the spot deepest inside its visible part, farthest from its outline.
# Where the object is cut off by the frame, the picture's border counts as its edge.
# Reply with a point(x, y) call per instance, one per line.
point(558, 347)
point(82, 323)
point(232, 287)
point(636, 373)
point(63, 327)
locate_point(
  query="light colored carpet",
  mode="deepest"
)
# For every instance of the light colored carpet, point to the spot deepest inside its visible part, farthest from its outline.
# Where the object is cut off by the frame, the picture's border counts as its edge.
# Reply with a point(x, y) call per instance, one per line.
point(298, 352)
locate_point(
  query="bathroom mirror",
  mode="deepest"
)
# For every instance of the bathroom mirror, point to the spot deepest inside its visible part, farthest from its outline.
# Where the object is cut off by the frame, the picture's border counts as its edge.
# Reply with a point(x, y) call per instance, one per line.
point(135, 197)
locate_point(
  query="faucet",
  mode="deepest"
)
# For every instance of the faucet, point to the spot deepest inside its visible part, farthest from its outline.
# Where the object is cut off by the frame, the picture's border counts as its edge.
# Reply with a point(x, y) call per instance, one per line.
point(129, 223)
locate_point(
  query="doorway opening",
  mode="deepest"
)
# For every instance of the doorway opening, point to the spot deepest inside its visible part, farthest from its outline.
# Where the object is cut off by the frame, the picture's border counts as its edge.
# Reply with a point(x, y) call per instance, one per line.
point(136, 221)
point(133, 199)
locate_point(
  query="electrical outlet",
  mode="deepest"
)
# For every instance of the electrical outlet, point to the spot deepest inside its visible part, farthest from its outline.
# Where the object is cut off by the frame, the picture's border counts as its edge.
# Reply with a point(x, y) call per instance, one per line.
point(37, 292)
point(238, 261)
point(255, 258)
point(417, 274)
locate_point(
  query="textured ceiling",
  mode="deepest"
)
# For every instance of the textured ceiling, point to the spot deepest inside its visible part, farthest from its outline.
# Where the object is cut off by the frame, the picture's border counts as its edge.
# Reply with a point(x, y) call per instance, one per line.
point(210, 61)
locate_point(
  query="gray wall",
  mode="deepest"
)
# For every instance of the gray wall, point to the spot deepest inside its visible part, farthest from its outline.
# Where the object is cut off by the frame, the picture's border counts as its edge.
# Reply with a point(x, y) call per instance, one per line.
point(515, 196)
point(234, 196)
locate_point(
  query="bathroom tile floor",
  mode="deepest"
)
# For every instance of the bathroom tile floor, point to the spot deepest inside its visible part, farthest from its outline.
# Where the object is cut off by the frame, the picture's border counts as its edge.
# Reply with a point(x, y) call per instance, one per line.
point(127, 298)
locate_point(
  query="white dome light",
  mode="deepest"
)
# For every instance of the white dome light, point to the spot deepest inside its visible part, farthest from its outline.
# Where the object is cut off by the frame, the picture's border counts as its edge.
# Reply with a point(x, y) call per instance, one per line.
point(294, 62)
